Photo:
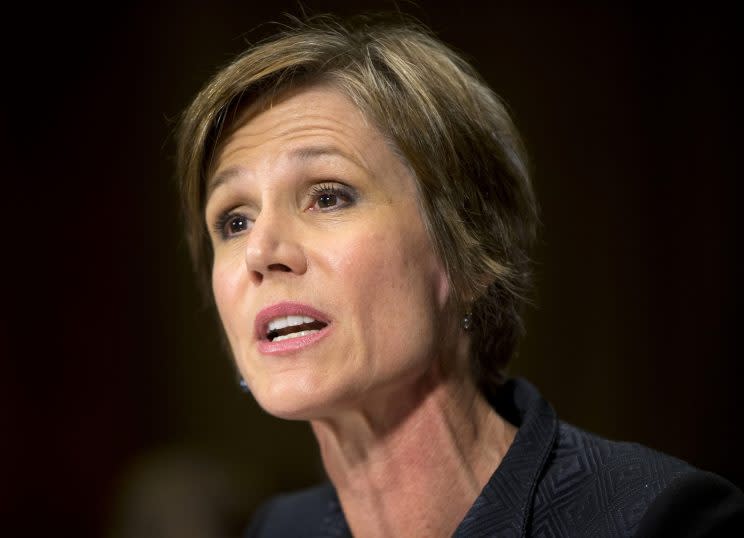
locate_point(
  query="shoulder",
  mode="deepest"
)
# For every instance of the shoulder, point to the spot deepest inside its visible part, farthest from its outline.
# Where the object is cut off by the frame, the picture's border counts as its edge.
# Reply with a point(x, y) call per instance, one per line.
point(694, 505)
point(617, 467)
point(301, 513)
point(592, 486)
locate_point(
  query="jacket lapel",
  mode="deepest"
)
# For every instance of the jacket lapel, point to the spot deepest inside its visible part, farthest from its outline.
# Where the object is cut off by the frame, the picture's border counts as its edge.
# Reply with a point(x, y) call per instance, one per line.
point(504, 506)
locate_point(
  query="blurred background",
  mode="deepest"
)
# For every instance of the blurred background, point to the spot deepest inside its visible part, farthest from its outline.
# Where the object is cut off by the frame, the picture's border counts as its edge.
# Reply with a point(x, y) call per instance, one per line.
point(119, 410)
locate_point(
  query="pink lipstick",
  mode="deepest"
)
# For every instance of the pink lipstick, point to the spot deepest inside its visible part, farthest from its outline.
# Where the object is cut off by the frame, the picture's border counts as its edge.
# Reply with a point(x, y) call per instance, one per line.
point(288, 327)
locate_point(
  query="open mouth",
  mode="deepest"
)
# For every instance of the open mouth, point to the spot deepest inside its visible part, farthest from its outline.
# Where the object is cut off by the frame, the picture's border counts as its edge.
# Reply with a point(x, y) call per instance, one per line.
point(286, 327)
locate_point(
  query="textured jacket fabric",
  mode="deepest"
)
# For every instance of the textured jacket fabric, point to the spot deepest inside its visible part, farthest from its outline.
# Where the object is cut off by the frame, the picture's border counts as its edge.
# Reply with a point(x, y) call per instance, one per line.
point(555, 480)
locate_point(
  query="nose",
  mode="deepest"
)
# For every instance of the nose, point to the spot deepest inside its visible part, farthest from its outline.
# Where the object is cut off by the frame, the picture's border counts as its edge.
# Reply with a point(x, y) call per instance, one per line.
point(273, 248)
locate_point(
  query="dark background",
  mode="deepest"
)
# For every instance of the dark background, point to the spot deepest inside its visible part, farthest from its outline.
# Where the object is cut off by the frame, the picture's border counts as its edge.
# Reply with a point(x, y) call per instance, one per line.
point(117, 403)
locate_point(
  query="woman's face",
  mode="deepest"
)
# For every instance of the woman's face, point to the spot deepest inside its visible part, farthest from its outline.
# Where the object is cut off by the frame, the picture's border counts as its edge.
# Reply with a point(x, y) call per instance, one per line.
point(324, 275)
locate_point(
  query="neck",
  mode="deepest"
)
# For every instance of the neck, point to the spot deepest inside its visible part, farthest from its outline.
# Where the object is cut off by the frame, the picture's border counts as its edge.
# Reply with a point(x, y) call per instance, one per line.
point(414, 462)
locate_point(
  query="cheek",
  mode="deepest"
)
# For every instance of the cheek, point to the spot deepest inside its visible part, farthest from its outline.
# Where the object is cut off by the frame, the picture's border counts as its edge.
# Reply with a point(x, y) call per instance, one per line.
point(394, 284)
point(371, 265)
point(225, 288)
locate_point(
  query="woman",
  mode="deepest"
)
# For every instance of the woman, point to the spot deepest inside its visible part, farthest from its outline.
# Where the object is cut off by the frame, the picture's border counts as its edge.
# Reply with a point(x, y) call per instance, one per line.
point(361, 201)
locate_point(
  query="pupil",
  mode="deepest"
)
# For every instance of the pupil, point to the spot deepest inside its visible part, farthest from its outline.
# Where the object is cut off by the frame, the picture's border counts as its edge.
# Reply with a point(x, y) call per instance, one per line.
point(237, 224)
point(327, 200)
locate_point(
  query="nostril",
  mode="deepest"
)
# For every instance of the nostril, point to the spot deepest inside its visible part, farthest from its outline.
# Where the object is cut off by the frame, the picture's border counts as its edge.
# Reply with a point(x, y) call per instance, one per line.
point(257, 276)
point(279, 267)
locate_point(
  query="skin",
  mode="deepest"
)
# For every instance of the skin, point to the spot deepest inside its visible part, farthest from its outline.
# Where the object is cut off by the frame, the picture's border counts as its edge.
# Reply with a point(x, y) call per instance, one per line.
point(406, 438)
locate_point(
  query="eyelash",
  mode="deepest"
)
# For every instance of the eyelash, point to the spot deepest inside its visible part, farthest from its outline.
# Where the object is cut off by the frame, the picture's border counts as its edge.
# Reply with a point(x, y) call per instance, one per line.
point(316, 191)
point(223, 220)
point(335, 189)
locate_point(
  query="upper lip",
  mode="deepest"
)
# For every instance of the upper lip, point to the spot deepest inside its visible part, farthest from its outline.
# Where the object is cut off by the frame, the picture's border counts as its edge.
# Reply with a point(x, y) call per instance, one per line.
point(285, 308)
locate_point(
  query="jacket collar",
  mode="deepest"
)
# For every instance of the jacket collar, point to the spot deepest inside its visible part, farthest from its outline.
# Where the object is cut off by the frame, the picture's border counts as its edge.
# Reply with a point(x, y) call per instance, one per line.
point(504, 505)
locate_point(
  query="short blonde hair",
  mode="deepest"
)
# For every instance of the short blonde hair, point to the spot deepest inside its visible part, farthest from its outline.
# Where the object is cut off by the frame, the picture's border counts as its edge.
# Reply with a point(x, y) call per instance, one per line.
point(440, 116)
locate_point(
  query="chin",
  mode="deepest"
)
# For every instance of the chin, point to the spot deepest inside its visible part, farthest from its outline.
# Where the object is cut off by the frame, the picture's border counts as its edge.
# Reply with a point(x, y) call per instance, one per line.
point(296, 399)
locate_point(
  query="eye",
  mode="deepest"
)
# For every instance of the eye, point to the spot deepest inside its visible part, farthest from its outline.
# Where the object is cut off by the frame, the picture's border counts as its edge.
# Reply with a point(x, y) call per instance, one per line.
point(327, 200)
point(231, 224)
point(330, 196)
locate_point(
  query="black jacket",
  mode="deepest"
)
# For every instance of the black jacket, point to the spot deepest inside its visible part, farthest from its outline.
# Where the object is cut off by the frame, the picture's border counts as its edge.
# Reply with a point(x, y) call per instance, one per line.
point(555, 480)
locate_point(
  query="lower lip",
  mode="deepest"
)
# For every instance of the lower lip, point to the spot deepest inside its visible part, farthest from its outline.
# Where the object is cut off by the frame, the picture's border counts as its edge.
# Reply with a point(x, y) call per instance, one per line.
point(292, 345)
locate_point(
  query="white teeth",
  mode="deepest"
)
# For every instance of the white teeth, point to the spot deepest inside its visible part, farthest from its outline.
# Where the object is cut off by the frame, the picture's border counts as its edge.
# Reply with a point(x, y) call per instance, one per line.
point(293, 335)
point(294, 320)
point(288, 321)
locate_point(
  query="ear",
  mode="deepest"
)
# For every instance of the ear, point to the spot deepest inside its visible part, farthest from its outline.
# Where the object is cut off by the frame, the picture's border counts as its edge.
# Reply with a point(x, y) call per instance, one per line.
point(444, 289)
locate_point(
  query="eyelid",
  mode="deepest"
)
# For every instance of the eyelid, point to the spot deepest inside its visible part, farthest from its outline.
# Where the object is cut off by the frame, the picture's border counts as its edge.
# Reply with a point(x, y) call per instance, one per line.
point(333, 187)
point(224, 217)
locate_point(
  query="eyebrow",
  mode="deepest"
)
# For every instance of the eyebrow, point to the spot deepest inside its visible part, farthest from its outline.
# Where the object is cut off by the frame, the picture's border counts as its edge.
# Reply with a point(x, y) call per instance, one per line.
point(306, 153)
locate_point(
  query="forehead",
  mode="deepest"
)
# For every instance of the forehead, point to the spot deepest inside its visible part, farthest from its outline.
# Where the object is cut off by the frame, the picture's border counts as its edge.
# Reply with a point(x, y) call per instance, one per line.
point(320, 114)
point(313, 131)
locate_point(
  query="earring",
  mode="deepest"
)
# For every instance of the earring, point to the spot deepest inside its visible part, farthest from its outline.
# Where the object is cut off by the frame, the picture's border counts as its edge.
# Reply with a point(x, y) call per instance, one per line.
point(244, 386)
point(467, 321)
